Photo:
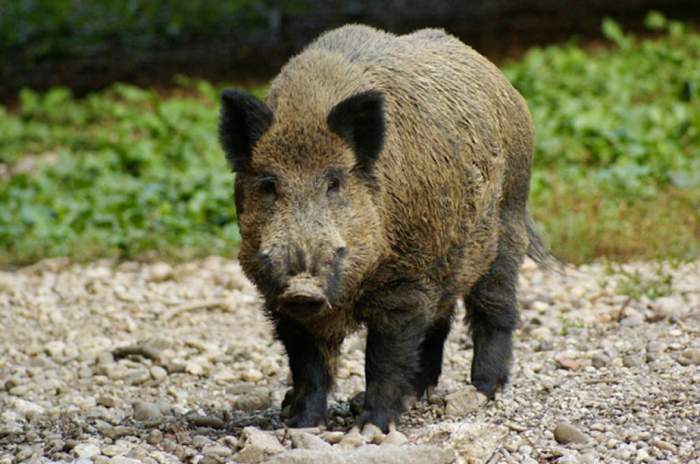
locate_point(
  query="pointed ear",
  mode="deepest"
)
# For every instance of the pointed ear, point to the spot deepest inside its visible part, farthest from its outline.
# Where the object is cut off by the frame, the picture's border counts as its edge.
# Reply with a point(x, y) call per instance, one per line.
point(359, 121)
point(244, 119)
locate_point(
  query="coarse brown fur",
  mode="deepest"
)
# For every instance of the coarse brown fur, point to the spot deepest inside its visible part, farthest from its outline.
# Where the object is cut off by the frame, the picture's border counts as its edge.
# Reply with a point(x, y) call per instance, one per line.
point(390, 227)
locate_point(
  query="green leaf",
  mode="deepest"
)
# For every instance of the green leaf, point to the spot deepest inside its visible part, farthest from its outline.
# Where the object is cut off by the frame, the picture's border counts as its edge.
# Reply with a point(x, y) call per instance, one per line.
point(655, 20)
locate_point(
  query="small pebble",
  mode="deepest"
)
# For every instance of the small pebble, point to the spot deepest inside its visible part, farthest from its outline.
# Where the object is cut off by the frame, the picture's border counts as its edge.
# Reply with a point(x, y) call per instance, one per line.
point(160, 272)
point(663, 445)
point(655, 347)
point(372, 434)
point(332, 437)
point(541, 334)
point(105, 358)
point(219, 451)
point(352, 439)
point(633, 320)
point(206, 421)
point(158, 373)
point(565, 433)
point(125, 460)
point(230, 441)
point(305, 440)
point(145, 411)
point(545, 345)
point(113, 450)
point(464, 402)
point(117, 372)
point(567, 363)
point(642, 455)
point(138, 376)
point(670, 307)
point(395, 438)
point(155, 436)
point(599, 360)
point(255, 399)
point(107, 401)
point(200, 441)
point(632, 361)
point(689, 357)
point(252, 375)
point(118, 431)
point(12, 382)
point(86, 450)
point(597, 427)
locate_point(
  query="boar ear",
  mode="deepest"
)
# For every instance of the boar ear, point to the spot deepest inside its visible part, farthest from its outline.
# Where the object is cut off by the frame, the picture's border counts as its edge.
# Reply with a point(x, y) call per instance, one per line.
point(244, 119)
point(359, 121)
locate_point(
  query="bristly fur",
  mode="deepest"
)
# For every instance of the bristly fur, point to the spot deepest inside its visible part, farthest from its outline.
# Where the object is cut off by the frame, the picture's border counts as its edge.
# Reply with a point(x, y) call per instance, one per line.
point(402, 170)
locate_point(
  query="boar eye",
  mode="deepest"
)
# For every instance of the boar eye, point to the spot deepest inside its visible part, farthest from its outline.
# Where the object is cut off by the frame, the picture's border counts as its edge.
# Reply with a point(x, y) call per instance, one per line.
point(268, 187)
point(333, 185)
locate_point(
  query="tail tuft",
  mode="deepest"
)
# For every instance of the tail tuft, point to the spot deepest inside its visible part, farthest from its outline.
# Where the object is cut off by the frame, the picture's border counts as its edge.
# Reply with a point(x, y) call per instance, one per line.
point(538, 252)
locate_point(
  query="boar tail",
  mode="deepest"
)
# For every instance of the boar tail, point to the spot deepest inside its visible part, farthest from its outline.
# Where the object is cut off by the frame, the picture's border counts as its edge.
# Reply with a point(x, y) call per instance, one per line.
point(537, 251)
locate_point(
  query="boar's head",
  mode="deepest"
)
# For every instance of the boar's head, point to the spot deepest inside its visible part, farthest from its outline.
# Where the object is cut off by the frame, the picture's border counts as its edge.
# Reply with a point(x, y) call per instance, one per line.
point(306, 197)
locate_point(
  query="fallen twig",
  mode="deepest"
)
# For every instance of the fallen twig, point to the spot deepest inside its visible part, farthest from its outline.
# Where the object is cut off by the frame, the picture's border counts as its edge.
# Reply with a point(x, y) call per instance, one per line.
point(204, 304)
point(516, 427)
point(136, 350)
point(603, 380)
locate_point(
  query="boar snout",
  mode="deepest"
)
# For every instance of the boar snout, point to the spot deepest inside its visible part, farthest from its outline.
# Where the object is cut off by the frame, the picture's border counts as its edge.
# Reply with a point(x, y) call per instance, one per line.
point(303, 297)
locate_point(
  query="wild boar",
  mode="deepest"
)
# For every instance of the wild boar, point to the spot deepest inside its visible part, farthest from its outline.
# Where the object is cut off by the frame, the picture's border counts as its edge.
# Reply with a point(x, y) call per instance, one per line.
point(384, 177)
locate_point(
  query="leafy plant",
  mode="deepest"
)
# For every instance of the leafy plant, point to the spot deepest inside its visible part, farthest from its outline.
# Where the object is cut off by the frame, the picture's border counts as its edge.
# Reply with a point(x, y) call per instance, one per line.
point(618, 143)
point(126, 172)
point(635, 285)
point(133, 173)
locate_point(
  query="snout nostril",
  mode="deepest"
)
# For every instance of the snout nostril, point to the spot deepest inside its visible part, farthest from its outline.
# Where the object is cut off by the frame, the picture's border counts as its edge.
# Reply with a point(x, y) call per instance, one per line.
point(303, 299)
point(302, 305)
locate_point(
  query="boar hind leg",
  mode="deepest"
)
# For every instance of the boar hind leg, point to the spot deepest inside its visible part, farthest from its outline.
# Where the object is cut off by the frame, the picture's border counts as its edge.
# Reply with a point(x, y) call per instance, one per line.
point(311, 375)
point(492, 315)
point(392, 362)
point(431, 356)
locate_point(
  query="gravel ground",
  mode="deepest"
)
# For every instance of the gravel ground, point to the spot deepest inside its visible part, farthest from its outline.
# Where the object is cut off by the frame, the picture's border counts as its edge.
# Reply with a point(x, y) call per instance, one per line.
point(131, 362)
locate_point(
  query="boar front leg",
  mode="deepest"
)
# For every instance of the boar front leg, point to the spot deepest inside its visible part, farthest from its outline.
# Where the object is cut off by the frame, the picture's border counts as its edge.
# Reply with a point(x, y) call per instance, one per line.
point(311, 374)
point(392, 363)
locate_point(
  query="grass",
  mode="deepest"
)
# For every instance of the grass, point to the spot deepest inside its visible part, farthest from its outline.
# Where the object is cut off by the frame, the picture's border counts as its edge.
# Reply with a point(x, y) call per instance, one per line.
point(635, 285)
point(617, 165)
point(128, 173)
point(581, 226)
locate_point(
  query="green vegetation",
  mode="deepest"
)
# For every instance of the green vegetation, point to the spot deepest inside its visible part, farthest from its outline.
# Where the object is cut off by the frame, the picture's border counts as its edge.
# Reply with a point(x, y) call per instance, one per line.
point(125, 172)
point(636, 285)
point(618, 144)
point(130, 172)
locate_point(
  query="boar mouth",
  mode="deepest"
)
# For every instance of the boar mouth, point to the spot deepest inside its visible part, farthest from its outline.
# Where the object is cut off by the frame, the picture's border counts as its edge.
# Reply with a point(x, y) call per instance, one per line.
point(302, 298)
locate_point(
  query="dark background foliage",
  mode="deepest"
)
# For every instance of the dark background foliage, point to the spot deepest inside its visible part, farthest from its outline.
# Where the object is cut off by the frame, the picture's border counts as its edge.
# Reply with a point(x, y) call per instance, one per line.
point(88, 44)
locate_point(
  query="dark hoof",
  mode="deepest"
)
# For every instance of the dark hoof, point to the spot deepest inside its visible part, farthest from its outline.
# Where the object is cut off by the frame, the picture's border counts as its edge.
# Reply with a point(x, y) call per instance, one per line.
point(381, 419)
point(300, 412)
point(305, 420)
point(489, 386)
